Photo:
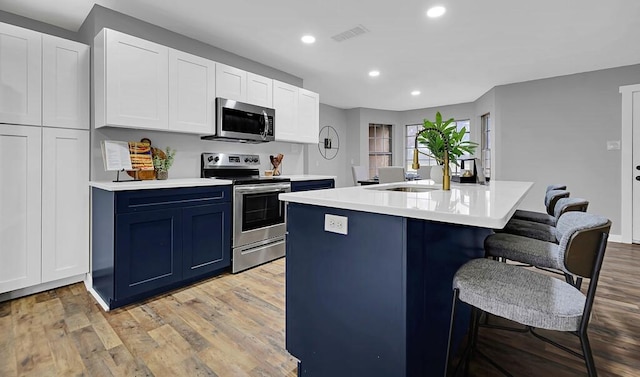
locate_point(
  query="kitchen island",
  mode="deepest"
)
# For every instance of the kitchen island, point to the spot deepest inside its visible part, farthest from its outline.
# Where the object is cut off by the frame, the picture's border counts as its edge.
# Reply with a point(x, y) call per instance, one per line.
point(372, 296)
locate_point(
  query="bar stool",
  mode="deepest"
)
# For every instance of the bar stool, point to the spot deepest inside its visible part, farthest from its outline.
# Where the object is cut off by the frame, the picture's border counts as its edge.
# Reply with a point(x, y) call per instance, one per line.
point(549, 202)
point(533, 299)
point(545, 231)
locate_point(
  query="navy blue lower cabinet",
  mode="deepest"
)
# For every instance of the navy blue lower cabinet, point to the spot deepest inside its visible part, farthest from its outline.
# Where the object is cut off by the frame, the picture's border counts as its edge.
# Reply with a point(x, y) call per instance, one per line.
point(377, 301)
point(153, 242)
point(312, 185)
point(146, 242)
point(205, 247)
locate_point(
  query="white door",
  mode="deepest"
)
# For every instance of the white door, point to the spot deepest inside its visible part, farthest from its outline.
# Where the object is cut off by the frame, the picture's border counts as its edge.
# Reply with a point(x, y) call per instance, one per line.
point(285, 102)
point(192, 81)
point(65, 203)
point(65, 83)
point(636, 166)
point(20, 75)
point(259, 90)
point(20, 159)
point(137, 82)
point(231, 83)
point(308, 116)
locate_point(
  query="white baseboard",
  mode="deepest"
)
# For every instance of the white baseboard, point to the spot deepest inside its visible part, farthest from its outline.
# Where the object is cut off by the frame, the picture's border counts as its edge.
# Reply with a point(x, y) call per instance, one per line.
point(41, 287)
point(99, 299)
point(615, 238)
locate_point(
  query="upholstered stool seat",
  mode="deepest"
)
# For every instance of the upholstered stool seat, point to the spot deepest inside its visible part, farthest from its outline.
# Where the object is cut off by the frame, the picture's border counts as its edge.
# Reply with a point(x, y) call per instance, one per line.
point(523, 296)
point(545, 232)
point(551, 197)
point(525, 250)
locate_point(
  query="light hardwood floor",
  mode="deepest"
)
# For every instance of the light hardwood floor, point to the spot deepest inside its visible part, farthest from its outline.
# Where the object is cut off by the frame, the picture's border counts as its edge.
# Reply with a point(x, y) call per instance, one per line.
point(233, 325)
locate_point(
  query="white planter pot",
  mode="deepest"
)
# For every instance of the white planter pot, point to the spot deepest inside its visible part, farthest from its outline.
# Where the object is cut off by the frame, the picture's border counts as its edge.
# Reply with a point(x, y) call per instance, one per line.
point(436, 173)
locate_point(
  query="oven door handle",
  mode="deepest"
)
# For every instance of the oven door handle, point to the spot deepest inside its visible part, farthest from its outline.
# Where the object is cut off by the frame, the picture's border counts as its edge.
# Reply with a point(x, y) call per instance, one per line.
point(262, 188)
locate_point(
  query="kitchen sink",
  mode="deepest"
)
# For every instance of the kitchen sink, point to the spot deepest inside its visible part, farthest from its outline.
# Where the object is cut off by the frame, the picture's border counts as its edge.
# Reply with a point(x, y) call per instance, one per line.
point(404, 188)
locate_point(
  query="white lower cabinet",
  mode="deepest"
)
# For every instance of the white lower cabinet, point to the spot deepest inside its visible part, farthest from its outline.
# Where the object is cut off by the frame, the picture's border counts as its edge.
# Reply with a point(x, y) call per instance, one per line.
point(20, 216)
point(44, 202)
point(65, 203)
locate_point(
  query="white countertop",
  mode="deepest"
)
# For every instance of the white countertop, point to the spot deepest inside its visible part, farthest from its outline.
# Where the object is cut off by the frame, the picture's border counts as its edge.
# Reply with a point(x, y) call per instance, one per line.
point(306, 177)
point(488, 206)
point(158, 184)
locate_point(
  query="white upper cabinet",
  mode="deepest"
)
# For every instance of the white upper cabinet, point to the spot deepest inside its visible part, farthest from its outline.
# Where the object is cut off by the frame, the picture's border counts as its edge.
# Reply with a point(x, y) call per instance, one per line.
point(308, 116)
point(65, 83)
point(231, 83)
point(297, 113)
point(259, 90)
point(20, 75)
point(191, 93)
point(285, 102)
point(20, 159)
point(131, 82)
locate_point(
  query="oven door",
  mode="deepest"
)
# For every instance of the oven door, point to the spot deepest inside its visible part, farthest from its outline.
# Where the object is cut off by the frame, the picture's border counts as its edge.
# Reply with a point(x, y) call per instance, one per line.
point(258, 215)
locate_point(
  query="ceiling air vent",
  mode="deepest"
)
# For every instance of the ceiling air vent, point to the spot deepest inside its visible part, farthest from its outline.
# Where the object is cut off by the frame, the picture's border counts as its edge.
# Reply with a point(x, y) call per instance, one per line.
point(351, 33)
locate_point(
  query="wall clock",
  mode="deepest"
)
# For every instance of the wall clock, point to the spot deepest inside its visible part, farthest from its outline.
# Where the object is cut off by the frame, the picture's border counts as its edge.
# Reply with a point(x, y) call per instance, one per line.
point(329, 144)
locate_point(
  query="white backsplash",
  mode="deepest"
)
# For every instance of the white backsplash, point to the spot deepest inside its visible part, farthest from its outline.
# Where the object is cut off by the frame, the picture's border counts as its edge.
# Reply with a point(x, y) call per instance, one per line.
point(189, 149)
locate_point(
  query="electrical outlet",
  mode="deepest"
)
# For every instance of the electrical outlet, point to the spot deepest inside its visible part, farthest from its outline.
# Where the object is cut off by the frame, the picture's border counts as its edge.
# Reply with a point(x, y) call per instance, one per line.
point(335, 224)
point(613, 145)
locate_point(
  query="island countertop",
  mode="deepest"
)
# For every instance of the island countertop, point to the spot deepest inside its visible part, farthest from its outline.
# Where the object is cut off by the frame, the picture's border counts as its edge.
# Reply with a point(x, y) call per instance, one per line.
point(488, 206)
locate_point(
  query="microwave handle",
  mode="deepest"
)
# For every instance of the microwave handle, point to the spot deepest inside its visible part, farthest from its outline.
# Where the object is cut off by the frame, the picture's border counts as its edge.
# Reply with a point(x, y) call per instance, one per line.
point(266, 125)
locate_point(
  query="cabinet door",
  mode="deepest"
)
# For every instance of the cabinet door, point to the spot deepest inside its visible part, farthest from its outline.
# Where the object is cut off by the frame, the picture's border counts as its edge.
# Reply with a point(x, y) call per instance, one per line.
point(206, 239)
point(65, 83)
point(148, 251)
point(308, 116)
point(138, 82)
point(65, 203)
point(259, 90)
point(285, 101)
point(192, 95)
point(20, 75)
point(231, 83)
point(20, 157)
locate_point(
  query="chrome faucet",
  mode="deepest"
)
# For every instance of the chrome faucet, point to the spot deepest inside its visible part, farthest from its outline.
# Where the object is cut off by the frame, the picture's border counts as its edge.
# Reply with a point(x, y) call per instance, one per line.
point(446, 179)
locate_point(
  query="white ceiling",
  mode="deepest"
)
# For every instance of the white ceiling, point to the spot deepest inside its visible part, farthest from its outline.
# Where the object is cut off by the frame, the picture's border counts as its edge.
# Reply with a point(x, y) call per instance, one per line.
point(475, 46)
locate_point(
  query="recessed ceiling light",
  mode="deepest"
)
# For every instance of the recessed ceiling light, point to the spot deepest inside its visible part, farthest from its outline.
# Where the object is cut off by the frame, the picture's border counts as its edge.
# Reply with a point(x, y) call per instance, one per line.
point(415, 93)
point(308, 39)
point(436, 11)
point(374, 73)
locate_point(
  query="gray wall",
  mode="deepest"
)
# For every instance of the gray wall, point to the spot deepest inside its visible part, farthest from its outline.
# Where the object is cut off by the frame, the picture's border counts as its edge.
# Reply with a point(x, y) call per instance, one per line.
point(555, 131)
point(316, 163)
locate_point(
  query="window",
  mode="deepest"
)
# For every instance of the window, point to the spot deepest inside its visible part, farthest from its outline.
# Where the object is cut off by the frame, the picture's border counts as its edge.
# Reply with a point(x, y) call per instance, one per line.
point(379, 147)
point(412, 130)
point(485, 144)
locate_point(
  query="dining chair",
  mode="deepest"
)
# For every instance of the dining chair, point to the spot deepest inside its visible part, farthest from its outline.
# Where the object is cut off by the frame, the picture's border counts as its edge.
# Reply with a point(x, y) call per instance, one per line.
point(533, 299)
point(391, 174)
point(359, 174)
point(424, 172)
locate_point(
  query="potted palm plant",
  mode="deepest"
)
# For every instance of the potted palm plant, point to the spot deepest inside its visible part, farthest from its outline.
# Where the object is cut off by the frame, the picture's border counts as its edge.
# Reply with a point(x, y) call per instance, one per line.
point(434, 142)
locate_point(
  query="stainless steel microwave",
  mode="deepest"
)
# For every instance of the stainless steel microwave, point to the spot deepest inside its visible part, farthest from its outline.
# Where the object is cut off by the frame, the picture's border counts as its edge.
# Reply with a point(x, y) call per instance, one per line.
point(241, 121)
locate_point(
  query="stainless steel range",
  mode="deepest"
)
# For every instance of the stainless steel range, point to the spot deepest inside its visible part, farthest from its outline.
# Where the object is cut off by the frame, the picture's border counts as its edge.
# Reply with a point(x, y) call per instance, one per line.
point(258, 216)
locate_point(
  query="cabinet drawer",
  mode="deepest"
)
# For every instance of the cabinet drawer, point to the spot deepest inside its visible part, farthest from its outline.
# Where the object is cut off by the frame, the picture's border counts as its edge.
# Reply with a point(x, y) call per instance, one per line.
point(147, 200)
point(312, 185)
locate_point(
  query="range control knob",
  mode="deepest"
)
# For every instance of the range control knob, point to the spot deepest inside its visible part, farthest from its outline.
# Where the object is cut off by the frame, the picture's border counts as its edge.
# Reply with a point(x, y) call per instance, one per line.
point(216, 159)
point(246, 159)
point(210, 158)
